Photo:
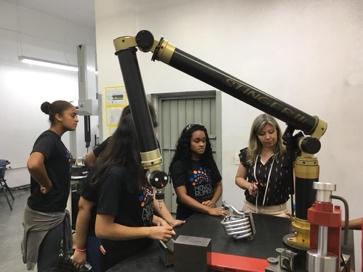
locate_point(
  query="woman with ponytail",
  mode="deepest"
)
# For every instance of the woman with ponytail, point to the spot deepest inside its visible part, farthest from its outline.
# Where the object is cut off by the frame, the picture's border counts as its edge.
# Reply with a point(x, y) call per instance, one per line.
point(49, 168)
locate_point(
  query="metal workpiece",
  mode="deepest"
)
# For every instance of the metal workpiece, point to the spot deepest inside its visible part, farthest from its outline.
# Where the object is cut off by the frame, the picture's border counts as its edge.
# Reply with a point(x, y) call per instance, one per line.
point(319, 263)
point(324, 191)
point(283, 262)
point(192, 253)
point(237, 224)
point(167, 256)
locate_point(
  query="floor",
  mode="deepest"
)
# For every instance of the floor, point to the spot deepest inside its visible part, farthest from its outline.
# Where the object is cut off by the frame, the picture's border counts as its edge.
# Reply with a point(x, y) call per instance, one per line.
point(11, 232)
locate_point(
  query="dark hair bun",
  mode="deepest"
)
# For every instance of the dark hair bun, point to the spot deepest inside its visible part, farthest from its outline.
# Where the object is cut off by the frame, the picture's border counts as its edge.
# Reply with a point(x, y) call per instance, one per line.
point(45, 107)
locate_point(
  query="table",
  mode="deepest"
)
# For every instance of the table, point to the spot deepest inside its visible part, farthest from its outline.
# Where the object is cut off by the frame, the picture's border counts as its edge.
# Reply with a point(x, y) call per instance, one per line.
point(269, 233)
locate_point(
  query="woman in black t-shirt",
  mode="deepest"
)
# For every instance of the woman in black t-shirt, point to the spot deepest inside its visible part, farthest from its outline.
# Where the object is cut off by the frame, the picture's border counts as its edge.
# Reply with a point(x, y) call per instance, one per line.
point(265, 171)
point(196, 179)
point(125, 220)
point(49, 167)
point(86, 244)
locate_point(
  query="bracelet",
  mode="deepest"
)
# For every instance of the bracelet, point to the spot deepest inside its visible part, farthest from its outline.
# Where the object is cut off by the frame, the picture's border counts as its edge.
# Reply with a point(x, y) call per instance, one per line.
point(80, 250)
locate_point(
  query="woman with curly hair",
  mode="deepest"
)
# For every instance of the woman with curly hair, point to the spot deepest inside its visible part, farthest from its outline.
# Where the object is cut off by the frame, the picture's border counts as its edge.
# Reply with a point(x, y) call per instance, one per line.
point(265, 169)
point(196, 179)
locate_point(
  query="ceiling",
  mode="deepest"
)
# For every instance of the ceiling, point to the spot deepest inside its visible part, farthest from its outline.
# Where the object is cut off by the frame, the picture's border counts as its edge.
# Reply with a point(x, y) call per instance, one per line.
point(78, 11)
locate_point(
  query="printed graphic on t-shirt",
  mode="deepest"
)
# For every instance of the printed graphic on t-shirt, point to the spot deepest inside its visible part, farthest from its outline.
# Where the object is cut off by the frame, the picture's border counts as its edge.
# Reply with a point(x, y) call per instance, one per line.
point(146, 197)
point(200, 182)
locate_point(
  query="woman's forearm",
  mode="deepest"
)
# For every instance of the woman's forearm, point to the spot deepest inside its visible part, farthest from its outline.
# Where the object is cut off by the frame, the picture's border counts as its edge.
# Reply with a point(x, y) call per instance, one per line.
point(242, 183)
point(193, 204)
point(116, 232)
point(40, 175)
point(217, 192)
point(162, 211)
point(82, 224)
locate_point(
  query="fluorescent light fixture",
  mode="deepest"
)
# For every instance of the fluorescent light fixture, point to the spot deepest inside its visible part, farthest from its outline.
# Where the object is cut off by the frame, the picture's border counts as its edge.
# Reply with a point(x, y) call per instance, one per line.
point(49, 64)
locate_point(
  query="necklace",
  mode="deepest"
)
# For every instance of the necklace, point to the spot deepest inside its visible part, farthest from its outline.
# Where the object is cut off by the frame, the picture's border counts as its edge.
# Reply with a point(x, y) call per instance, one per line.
point(268, 178)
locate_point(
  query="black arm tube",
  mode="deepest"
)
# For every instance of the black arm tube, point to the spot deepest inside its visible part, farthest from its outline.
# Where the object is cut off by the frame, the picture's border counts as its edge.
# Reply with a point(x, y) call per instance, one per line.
point(137, 99)
point(304, 197)
point(242, 91)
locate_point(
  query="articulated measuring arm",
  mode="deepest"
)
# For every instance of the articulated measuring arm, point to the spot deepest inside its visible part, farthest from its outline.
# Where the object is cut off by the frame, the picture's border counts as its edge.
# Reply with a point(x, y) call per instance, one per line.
point(306, 165)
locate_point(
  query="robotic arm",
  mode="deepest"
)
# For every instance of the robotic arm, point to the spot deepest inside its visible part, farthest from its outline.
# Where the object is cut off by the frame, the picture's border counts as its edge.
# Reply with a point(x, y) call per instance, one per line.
point(306, 165)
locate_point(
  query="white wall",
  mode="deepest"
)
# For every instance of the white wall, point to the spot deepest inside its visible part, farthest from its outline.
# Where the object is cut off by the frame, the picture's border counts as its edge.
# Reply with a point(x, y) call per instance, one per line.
point(306, 53)
point(33, 33)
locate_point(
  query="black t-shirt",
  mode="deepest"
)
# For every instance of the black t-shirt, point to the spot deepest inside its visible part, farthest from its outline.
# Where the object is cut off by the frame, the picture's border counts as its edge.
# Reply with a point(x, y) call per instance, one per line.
point(91, 193)
point(57, 164)
point(133, 209)
point(199, 181)
point(280, 184)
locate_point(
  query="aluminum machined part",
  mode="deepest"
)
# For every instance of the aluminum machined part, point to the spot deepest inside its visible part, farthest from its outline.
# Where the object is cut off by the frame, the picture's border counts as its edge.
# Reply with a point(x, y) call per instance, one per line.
point(318, 263)
point(238, 224)
point(324, 191)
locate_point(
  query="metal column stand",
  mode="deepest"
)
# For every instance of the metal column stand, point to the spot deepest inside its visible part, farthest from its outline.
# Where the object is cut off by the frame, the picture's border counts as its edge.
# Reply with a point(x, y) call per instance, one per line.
point(320, 259)
point(238, 224)
point(3, 185)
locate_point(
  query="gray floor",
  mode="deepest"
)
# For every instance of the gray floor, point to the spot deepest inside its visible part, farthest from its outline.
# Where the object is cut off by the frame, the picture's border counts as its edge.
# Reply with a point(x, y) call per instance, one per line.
point(11, 232)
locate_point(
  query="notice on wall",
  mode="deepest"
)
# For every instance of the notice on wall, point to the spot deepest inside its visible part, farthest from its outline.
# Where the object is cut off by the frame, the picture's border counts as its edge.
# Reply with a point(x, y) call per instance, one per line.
point(114, 101)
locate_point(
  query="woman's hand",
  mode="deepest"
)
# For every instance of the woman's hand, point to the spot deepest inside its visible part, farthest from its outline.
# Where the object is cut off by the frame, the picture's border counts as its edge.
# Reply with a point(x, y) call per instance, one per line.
point(161, 222)
point(175, 222)
point(252, 188)
point(161, 232)
point(46, 189)
point(209, 203)
point(217, 212)
point(79, 258)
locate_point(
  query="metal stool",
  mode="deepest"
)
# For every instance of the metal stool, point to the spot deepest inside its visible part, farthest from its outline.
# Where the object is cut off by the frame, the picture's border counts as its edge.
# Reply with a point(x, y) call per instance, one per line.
point(3, 185)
